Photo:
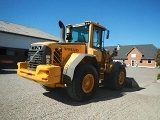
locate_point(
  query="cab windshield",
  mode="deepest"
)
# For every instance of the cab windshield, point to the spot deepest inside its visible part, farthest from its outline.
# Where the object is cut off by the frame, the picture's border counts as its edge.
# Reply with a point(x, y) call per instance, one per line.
point(80, 34)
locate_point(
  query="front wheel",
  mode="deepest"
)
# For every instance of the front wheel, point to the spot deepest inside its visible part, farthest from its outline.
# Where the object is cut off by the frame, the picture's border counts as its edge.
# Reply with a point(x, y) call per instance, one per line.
point(84, 83)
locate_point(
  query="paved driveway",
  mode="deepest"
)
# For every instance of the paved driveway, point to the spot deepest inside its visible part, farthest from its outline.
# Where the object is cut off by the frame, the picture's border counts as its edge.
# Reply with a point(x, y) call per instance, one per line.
point(24, 99)
point(146, 79)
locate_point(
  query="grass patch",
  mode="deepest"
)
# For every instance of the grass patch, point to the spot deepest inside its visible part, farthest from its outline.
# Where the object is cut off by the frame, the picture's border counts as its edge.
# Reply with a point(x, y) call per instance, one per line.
point(158, 76)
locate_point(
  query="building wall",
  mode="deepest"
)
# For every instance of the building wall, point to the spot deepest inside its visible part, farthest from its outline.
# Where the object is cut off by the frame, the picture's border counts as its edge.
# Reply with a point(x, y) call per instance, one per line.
point(17, 41)
point(134, 59)
point(13, 49)
point(148, 63)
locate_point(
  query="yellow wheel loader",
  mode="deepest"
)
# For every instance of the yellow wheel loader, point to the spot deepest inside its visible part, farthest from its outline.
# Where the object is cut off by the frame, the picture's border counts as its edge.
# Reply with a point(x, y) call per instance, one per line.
point(78, 62)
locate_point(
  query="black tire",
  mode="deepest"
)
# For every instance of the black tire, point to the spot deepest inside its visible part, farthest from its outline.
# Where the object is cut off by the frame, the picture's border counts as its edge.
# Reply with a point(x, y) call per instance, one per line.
point(84, 83)
point(116, 79)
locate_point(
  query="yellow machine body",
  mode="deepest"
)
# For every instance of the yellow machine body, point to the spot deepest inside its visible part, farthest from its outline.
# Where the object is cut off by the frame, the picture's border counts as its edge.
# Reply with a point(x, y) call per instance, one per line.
point(50, 62)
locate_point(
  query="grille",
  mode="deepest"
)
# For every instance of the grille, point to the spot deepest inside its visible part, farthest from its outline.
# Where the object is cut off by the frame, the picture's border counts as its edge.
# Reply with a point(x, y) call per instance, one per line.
point(57, 56)
point(34, 60)
point(37, 56)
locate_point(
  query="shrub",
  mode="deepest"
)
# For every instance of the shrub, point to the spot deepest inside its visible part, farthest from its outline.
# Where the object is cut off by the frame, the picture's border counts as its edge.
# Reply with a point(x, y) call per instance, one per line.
point(158, 57)
point(158, 76)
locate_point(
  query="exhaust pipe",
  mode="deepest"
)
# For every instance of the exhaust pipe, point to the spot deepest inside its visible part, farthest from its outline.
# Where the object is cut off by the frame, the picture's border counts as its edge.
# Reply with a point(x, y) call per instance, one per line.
point(62, 33)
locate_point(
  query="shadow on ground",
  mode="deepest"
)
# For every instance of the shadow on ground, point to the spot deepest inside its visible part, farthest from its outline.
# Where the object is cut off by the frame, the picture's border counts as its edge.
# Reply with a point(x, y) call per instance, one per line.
point(102, 94)
point(8, 71)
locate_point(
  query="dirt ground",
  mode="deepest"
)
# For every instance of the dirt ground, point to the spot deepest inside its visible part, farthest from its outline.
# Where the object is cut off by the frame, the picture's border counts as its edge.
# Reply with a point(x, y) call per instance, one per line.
point(23, 99)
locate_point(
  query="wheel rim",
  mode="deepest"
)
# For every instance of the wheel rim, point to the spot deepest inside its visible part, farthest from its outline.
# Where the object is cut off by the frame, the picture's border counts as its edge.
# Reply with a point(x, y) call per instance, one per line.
point(88, 83)
point(121, 77)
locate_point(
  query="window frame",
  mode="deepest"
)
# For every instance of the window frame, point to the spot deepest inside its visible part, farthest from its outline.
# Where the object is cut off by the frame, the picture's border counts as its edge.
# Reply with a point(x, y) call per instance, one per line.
point(141, 61)
point(96, 41)
point(149, 62)
point(133, 55)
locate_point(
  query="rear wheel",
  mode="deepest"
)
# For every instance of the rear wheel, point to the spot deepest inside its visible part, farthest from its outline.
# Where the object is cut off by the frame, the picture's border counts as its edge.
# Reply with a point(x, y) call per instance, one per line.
point(116, 78)
point(84, 83)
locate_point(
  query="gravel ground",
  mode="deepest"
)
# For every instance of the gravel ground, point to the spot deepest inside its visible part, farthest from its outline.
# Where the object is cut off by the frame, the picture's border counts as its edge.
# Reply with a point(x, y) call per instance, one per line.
point(23, 99)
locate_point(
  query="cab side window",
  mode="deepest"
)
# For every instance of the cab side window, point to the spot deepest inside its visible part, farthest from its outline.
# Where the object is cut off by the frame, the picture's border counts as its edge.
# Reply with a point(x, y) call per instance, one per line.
point(97, 38)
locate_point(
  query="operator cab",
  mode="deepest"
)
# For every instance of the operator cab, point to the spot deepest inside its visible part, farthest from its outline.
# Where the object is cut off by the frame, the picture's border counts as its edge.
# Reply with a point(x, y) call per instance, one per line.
point(88, 32)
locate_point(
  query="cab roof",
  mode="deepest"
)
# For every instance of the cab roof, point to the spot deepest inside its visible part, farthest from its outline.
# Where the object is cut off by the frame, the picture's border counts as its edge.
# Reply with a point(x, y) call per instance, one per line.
point(87, 23)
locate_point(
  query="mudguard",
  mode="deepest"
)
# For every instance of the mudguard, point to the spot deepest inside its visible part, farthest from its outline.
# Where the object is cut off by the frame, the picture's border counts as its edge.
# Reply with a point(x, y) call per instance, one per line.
point(71, 64)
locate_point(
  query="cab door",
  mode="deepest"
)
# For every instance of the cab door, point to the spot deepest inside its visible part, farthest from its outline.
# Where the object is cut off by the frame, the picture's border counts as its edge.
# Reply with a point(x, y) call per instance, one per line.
point(95, 47)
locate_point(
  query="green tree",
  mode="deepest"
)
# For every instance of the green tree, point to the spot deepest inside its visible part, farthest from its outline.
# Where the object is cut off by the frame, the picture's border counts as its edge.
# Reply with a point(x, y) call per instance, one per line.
point(158, 57)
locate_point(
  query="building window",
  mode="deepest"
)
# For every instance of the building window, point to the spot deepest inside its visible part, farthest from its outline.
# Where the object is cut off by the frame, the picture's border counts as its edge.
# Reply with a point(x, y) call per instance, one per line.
point(133, 55)
point(3, 51)
point(26, 53)
point(149, 61)
point(10, 52)
point(141, 61)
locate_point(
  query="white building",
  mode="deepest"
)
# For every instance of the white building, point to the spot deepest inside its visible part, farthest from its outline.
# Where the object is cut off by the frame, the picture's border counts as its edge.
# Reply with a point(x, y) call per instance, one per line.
point(15, 41)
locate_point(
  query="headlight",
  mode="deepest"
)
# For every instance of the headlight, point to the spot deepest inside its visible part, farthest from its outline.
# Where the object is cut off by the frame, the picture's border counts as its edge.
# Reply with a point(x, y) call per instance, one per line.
point(48, 59)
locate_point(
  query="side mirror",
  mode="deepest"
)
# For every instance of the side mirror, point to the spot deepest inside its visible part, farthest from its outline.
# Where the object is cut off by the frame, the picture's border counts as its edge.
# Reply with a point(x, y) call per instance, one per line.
point(107, 37)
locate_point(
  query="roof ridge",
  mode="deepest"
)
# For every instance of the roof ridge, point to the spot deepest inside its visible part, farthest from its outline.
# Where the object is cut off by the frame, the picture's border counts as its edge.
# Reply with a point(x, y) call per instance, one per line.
point(17, 24)
point(14, 28)
point(134, 45)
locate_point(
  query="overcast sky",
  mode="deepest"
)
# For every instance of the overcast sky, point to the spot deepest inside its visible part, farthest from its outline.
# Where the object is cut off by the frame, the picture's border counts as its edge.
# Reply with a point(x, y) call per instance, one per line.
point(130, 22)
